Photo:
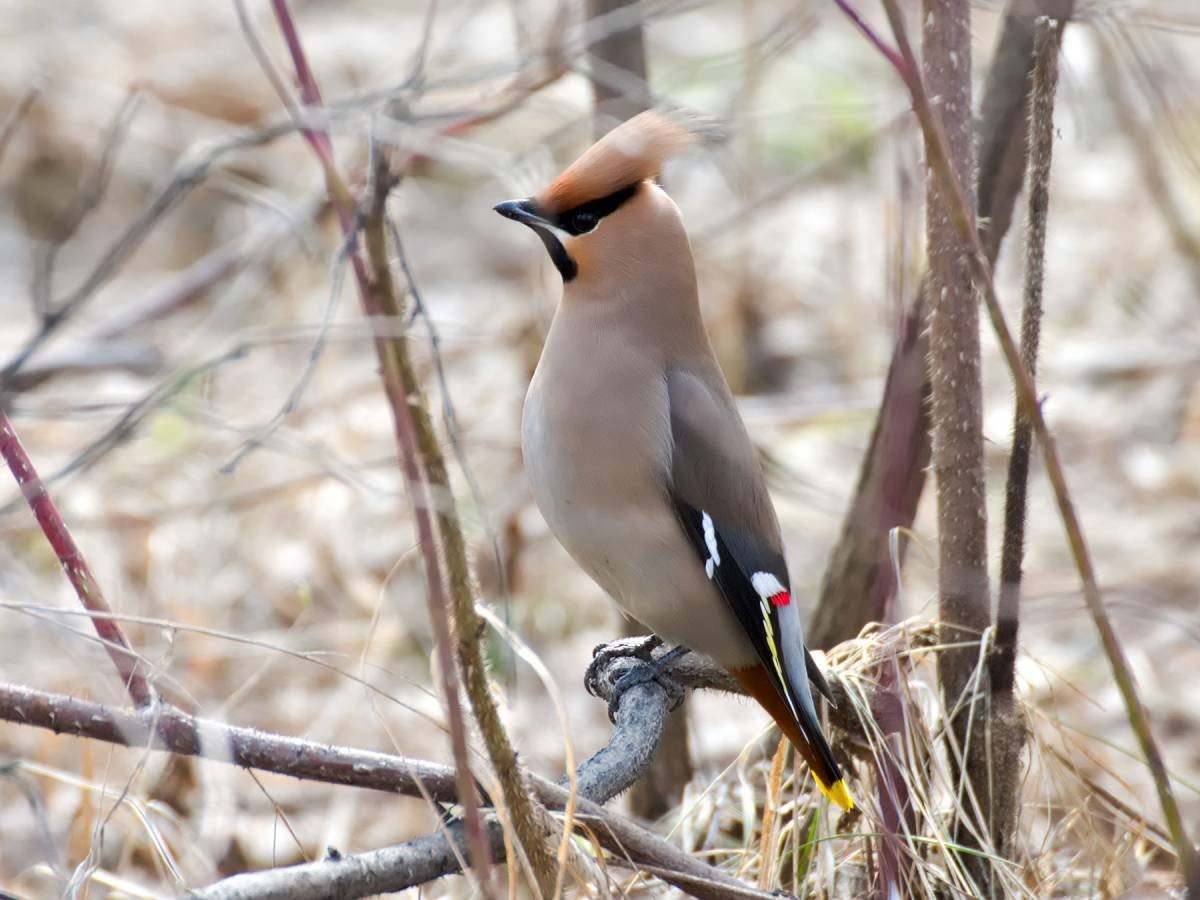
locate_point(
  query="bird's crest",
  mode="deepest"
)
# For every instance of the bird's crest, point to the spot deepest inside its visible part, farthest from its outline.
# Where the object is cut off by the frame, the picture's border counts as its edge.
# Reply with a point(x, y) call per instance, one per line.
point(633, 151)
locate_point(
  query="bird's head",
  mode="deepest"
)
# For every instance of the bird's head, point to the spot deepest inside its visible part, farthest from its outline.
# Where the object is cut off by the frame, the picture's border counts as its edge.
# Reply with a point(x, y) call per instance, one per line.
point(603, 210)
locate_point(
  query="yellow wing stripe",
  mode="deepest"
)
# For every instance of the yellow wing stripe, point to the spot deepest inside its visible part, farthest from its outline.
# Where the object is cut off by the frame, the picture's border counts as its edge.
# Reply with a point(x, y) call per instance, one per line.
point(769, 630)
point(837, 792)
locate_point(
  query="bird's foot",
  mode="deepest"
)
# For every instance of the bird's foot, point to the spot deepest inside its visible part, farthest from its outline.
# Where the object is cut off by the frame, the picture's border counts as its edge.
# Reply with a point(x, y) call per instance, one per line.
point(638, 648)
point(644, 673)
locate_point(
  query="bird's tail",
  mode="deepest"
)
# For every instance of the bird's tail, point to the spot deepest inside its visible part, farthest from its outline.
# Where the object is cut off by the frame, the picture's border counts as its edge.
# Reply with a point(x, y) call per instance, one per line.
point(806, 737)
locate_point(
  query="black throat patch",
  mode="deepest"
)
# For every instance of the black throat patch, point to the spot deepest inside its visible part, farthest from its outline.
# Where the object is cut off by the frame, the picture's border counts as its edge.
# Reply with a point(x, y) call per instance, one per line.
point(566, 266)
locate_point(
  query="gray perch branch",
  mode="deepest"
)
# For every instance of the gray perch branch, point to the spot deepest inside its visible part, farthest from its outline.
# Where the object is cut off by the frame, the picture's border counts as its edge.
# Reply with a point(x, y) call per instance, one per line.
point(624, 759)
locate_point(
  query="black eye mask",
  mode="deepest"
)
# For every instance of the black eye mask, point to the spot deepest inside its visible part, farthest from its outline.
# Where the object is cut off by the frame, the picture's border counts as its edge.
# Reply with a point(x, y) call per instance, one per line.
point(587, 216)
point(576, 221)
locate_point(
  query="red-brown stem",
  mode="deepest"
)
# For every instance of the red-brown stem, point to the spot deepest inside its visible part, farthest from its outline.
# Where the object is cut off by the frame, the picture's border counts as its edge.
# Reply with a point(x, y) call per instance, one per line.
point(310, 94)
point(78, 572)
point(888, 53)
point(322, 146)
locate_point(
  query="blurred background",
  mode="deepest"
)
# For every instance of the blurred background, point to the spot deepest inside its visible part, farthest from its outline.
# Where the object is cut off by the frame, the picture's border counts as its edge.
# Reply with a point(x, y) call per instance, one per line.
point(212, 420)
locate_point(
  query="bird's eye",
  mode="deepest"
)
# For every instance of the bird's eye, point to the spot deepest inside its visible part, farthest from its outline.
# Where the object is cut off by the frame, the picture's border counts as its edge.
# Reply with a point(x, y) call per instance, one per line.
point(583, 222)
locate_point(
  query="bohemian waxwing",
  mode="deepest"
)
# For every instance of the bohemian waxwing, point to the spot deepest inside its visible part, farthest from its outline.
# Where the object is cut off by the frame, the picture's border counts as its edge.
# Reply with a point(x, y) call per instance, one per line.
point(633, 446)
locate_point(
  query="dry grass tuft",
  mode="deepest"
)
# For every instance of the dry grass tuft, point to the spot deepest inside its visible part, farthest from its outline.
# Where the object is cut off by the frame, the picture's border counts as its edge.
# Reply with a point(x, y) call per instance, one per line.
point(763, 819)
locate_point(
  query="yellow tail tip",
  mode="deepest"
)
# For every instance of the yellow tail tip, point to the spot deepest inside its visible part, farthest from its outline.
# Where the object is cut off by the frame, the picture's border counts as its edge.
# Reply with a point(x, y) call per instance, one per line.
point(837, 793)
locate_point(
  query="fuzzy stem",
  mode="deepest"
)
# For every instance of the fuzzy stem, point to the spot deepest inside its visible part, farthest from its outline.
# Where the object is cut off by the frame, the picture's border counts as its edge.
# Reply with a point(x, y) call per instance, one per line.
point(957, 420)
point(77, 570)
point(1008, 732)
point(860, 580)
point(1139, 719)
point(1041, 143)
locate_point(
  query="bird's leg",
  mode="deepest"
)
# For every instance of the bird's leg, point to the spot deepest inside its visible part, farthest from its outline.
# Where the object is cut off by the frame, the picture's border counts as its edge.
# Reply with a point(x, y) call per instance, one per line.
point(646, 672)
point(603, 654)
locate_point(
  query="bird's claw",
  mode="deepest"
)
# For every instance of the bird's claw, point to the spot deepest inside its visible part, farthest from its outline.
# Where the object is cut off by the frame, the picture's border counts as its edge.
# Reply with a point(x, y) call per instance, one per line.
point(645, 673)
point(604, 654)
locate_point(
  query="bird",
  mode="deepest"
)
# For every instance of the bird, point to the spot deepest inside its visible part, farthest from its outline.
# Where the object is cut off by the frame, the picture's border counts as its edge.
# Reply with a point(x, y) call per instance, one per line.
point(633, 446)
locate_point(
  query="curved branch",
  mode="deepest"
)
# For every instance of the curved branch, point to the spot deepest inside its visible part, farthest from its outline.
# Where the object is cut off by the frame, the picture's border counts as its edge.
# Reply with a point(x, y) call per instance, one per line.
point(638, 728)
point(640, 720)
point(611, 770)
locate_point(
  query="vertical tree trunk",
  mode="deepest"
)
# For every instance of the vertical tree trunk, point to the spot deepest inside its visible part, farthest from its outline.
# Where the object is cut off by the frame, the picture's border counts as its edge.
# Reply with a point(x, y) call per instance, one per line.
point(618, 61)
point(620, 90)
point(957, 415)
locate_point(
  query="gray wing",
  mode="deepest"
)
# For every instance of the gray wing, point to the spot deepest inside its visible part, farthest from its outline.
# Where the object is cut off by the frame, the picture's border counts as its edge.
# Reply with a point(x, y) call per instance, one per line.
point(721, 499)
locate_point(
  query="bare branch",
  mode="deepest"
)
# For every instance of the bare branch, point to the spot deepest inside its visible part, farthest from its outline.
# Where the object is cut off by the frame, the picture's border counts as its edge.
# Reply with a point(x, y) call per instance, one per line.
point(88, 198)
point(169, 729)
point(188, 175)
point(639, 725)
point(606, 774)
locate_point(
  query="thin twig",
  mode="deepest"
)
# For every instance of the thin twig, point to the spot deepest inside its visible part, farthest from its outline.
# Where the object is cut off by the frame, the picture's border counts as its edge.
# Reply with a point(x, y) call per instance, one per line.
point(189, 174)
point(289, 405)
point(74, 564)
point(532, 826)
point(1146, 145)
point(88, 198)
point(15, 117)
point(530, 77)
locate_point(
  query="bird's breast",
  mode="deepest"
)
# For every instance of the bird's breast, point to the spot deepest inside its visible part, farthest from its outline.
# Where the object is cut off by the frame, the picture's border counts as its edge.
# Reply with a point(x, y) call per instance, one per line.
point(596, 439)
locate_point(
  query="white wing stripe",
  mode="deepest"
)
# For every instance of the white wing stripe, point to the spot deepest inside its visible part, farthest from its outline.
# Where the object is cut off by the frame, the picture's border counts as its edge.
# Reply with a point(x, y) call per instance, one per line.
point(710, 541)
